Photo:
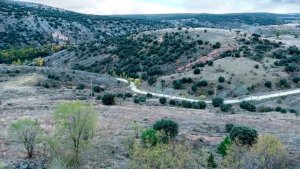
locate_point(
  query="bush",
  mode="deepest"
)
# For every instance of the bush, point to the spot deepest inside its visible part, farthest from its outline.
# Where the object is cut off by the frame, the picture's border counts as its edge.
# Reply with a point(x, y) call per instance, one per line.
point(149, 95)
point(152, 80)
point(136, 100)
point(247, 106)
point(197, 71)
point(97, 89)
point(163, 100)
point(210, 63)
point(225, 107)
point(283, 111)
point(268, 84)
point(128, 95)
point(80, 86)
point(245, 135)
point(199, 105)
point(217, 101)
point(186, 104)
point(172, 102)
point(177, 84)
point(108, 99)
point(228, 127)
point(210, 92)
point(220, 87)
point(224, 145)
point(221, 79)
point(168, 127)
point(202, 83)
point(296, 79)
point(278, 109)
point(149, 138)
point(211, 161)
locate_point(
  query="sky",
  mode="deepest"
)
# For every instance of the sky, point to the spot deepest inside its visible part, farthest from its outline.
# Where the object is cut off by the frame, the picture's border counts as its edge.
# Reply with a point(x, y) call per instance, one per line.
point(109, 7)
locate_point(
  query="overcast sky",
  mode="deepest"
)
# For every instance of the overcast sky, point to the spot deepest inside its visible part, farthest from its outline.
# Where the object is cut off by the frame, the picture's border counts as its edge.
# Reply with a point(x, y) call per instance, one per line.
point(106, 7)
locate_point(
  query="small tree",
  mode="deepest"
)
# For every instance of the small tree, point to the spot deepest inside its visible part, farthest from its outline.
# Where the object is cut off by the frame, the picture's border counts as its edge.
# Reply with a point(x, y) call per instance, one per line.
point(268, 84)
point(211, 163)
point(223, 146)
point(27, 132)
point(197, 71)
point(247, 106)
point(245, 135)
point(217, 101)
point(163, 100)
point(225, 107)
point(221, 79)
point(108, 99)
point(75, 124)
point(168, 127)
point(149, 138)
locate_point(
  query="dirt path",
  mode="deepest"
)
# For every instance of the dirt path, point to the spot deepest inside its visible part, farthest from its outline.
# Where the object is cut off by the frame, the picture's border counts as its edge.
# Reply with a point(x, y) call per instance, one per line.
point(229, 101)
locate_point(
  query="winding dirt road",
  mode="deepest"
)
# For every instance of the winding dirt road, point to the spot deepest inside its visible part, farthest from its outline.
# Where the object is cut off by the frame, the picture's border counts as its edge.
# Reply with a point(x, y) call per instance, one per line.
point(229, 101)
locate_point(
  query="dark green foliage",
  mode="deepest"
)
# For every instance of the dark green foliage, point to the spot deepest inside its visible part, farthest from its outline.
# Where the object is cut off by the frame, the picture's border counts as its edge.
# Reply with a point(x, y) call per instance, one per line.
point(283, 111)
point(217, 45)
point(210, 92)
point(245, 135)
point(296, 79)
point(224, 145)
point(283, 83)
point(268, 84)
point(128, 95)
point(108, 99)
point(211, 163)
point(247, 106)
point(186, 104)
point(226, 107)
point(210, 63)
point(168, 127)
point(97, 89)
point(80, 86)
point(199, 105)
point(149, 138)
point(163, 100)
point(177, 84)
point(220, 87)
point(202, 83)
point(152, 80)
point(98, 97)
point(149, 95)
point(197, 71)
point(278, 109)
point(293, 111)
point(172, 102)
point(221, 79)
point(217, 101)
point(228, 127)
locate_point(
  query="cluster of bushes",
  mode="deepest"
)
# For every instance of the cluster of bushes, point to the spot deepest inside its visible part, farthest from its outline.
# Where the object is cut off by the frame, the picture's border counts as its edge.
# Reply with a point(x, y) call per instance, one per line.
point(219, 102)
point(247, 106)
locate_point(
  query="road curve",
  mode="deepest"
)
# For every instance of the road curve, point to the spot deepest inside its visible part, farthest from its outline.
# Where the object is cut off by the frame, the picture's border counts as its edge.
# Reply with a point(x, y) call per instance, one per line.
point(229, 101)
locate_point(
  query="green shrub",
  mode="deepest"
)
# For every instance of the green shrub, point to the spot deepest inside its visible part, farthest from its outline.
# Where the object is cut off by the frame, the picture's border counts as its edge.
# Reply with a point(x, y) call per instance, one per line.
point(278, 108)
point(136, 100)
point(268, 84)
point(168, 127)
point(202, 83)
point(80, 86)
point(247, 106)
point(97, 89)
point(163, 100)
point(108, 99)
point(296, 79)
point(128, 95)
point(199, 105)
point(228, 127)
point(225, 107)
point(152, 80)
point(149, 95)
point(177, 84)
point(221, 79)
point(172, 102)
point(98, 97)
point(197, 71)
point(186, 104)
point(149, 138)
point(211, 161)
point(217, 101)
point(224, 145)
point(283, 111)
point(220, 87)
point(210, 92)
point(293, 111)
point(245, 135)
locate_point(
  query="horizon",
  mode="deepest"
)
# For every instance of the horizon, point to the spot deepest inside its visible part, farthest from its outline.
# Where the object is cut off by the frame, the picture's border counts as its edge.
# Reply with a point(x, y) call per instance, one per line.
point(156, 7)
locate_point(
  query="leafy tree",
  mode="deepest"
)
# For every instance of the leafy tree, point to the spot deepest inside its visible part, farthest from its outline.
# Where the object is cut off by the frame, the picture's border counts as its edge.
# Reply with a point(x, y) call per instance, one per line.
point(27, 132)
point(97, 89)
point(229, 127)
point(197, 71)
point(247, 106)
point(75, 124)
point(211, 163)
point(168, 127)
point(245, 135)
point(221, 79)
point(152, 80)
point(268, 84)
point(163, 100)
point(108, 99)
point(202, 83)
point(177, 84)
point(217, 101)
point(223, 146)
point(225, 107)
point(199, 105)
point(149, 138)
